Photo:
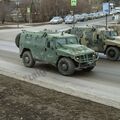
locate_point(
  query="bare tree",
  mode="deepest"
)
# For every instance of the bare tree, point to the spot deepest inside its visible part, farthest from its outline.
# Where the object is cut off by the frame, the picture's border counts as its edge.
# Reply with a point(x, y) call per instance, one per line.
point(44, 10)
point(4, 9)
point(24, 5)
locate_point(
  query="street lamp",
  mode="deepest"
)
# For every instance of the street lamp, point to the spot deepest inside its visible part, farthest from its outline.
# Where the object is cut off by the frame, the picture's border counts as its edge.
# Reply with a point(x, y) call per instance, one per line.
point(17, 4)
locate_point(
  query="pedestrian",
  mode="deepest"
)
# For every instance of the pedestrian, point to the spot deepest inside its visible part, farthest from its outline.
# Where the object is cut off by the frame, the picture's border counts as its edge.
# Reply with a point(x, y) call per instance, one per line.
point(113, 17)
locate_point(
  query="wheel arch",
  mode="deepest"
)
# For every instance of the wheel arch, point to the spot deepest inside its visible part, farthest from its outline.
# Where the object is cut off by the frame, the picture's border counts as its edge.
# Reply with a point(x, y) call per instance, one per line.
point(65, 57)
point(17, 39)
point(25, 49)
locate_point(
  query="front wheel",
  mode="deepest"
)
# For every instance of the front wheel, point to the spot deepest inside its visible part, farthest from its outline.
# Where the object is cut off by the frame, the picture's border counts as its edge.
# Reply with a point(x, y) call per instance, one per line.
point(66, 66)
point(113, 53)
point(28, 60)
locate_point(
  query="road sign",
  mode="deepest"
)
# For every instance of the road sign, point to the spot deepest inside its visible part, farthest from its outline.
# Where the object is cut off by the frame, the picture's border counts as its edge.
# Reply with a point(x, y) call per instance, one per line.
point(106, 8)
point(73, 2)
point(28, 10)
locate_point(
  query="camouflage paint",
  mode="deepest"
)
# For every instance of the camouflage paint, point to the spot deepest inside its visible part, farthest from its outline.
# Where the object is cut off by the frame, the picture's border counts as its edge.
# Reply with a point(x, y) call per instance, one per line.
point(43, 47)
point(95, 38)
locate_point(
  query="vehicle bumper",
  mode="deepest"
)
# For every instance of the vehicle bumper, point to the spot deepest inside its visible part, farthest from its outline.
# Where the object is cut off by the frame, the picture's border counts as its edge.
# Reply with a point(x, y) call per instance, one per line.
point(85, 65)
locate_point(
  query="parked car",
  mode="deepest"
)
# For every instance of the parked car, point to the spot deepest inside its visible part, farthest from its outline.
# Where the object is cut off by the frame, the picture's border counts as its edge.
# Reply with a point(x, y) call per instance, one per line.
point(70, 20)
point(117, 9)
point(113, 11)
point(66, 17)
point(56, 20)
point(91, 16)
point(83, 17)
point(101, 14)
point(77, 17)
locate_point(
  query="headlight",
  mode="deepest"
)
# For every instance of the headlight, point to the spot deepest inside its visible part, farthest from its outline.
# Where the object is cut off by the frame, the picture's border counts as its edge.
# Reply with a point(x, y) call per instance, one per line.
point(77, 58)
point(94, 55)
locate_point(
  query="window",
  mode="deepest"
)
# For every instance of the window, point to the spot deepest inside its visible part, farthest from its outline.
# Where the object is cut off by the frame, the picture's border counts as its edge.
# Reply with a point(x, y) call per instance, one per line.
point(63, 41)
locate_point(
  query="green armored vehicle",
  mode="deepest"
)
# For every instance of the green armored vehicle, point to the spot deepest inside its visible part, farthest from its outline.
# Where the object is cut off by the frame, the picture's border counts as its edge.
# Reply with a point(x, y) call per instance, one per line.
point(99, 39)
point(58, 49)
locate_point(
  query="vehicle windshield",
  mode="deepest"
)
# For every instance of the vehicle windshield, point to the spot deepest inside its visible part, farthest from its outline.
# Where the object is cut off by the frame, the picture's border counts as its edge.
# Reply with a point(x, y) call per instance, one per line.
point(111, 33)
point(71, 17)
point(64, 41)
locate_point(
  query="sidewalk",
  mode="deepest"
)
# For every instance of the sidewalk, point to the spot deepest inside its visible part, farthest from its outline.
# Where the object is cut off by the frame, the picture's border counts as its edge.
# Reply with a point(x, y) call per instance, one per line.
point(21, 25)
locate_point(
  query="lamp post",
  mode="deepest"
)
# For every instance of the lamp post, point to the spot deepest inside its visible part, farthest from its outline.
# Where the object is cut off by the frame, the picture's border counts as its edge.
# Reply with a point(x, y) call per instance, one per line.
point(29, 15)
point(17, 4)
point(73, 4)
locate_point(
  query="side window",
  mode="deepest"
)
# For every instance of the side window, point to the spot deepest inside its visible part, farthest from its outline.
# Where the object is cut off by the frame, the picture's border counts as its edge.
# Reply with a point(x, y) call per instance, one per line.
point(60, 42)
point(89, 35)
point(51, 44)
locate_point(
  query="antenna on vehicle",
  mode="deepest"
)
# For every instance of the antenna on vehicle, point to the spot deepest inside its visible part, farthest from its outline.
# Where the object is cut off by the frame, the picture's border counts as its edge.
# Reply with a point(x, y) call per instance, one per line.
point(44, 35)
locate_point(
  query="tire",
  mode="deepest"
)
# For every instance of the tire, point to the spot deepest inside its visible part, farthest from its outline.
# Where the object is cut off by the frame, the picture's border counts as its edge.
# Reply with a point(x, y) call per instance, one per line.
point(17, 40)
point(88, 69)
point(113, 53)
point(66, 66)
point(28, 60)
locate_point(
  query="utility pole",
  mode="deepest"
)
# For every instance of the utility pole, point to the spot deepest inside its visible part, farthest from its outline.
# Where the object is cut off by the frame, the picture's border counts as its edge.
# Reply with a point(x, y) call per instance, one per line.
point(28, 13)
point(3, 14)
point(73, 4)
point(106, 10)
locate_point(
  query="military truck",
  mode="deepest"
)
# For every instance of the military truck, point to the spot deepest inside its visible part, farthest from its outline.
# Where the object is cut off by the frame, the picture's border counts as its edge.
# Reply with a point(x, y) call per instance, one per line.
point(99, 39)
point(59, 49)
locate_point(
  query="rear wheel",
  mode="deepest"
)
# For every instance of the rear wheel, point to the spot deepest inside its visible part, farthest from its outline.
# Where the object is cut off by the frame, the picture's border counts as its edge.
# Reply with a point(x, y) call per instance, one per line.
point(17, 40)
point(66, 66)
point(113, 53)
point(28, 60)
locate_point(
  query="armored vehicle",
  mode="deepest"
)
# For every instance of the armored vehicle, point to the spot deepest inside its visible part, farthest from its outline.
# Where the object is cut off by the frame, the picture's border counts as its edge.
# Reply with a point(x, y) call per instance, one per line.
point(99, 39)
point(59, 49)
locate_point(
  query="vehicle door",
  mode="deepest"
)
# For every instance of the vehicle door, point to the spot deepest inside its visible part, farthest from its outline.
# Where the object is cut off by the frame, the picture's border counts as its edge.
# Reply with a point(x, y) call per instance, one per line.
point(98, 41)
point(87, 39)
point(50, 54)
point(39, 47)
